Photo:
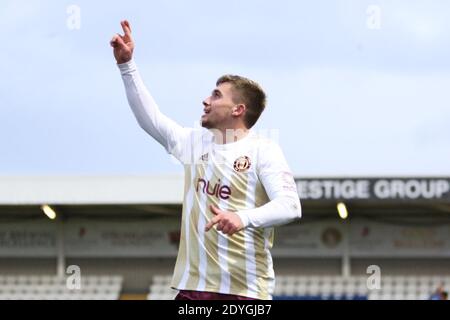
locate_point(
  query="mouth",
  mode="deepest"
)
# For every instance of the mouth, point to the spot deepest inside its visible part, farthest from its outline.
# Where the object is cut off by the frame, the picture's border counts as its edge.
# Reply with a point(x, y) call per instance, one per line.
point(205, 112)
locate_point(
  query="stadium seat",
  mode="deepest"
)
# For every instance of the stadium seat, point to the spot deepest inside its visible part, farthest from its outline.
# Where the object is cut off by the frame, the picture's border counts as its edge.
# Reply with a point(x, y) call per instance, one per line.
point(160, 289)
point(328, 287)
point(53, 288)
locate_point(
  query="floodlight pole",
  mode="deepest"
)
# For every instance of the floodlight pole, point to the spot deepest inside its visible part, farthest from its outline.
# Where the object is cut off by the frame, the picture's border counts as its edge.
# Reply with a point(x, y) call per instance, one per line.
point(61, 259)
point(346, 266)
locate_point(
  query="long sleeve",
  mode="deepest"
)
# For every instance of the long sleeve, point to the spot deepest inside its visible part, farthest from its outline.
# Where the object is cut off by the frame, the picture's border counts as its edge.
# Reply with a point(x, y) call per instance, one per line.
point(167, 132)
point(284, 205)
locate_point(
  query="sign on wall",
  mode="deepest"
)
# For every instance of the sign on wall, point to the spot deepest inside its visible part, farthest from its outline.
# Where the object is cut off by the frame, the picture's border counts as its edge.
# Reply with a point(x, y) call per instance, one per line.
point(374, 239)
point(148, 238)
point(374, 189)
point(313, 239)
point(160, 237)
point(27, 239)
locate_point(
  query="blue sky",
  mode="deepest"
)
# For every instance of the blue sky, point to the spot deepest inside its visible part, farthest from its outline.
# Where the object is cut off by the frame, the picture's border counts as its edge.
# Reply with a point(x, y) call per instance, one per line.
point(348, 98)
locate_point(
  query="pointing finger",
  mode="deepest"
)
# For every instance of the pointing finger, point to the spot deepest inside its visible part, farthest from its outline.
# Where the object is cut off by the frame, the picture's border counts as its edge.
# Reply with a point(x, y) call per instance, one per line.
point(126, 28)
point(210, 224)
point(215, 210)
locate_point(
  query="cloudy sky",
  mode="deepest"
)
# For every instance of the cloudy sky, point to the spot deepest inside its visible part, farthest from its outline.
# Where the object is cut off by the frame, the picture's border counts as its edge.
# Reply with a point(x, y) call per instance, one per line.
point(354, 87)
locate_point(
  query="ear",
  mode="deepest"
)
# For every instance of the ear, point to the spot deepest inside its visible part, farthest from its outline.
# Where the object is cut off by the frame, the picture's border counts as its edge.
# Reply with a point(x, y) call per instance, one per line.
point(239, 109)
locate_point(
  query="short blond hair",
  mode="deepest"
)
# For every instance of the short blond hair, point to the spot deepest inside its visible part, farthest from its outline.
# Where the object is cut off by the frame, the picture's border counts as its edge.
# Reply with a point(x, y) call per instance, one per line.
point(249, 93)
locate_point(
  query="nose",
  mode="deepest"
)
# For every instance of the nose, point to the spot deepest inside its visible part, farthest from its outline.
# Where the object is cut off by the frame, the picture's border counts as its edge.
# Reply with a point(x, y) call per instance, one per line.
point(206, 102)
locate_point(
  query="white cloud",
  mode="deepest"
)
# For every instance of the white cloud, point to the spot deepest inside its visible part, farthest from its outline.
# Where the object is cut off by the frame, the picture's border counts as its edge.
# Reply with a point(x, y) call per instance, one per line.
point(13, 13)
point(359, 120)
point(337, 113)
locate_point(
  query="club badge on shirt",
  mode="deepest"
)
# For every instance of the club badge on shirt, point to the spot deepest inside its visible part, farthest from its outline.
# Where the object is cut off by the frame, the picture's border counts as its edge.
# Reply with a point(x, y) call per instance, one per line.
point(242, 164)
point(204, 158)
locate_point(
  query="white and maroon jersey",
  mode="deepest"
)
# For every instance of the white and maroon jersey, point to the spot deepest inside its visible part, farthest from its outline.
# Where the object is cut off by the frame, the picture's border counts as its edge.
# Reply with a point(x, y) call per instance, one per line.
point(250, 177)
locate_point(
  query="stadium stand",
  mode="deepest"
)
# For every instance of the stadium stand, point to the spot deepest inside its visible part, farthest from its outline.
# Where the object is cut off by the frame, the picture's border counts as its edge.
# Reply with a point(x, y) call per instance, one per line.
point(55, 288)
point(115, 225)
point(332, 288)
point(160, 288)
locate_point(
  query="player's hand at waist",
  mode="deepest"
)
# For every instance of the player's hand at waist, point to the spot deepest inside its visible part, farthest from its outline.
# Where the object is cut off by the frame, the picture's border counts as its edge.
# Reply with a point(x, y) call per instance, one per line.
point(123, 45)
point(228, 222)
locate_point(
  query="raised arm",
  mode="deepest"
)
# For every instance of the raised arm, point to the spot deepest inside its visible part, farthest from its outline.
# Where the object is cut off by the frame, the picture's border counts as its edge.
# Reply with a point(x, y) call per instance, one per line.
point(123, 45)
point(167, 132)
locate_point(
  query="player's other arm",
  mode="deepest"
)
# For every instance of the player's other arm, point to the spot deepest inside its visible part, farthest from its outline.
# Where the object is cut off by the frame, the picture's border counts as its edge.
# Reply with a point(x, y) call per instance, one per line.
point(284, 205)
point(278, 181)
point(147, 113)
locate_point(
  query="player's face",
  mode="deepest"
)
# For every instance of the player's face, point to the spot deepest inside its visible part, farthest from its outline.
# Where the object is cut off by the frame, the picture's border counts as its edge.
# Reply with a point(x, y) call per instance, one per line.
point(218, 107)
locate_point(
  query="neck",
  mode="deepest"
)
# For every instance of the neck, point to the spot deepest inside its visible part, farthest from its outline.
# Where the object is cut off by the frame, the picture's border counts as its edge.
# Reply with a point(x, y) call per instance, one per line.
point(224, 136)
